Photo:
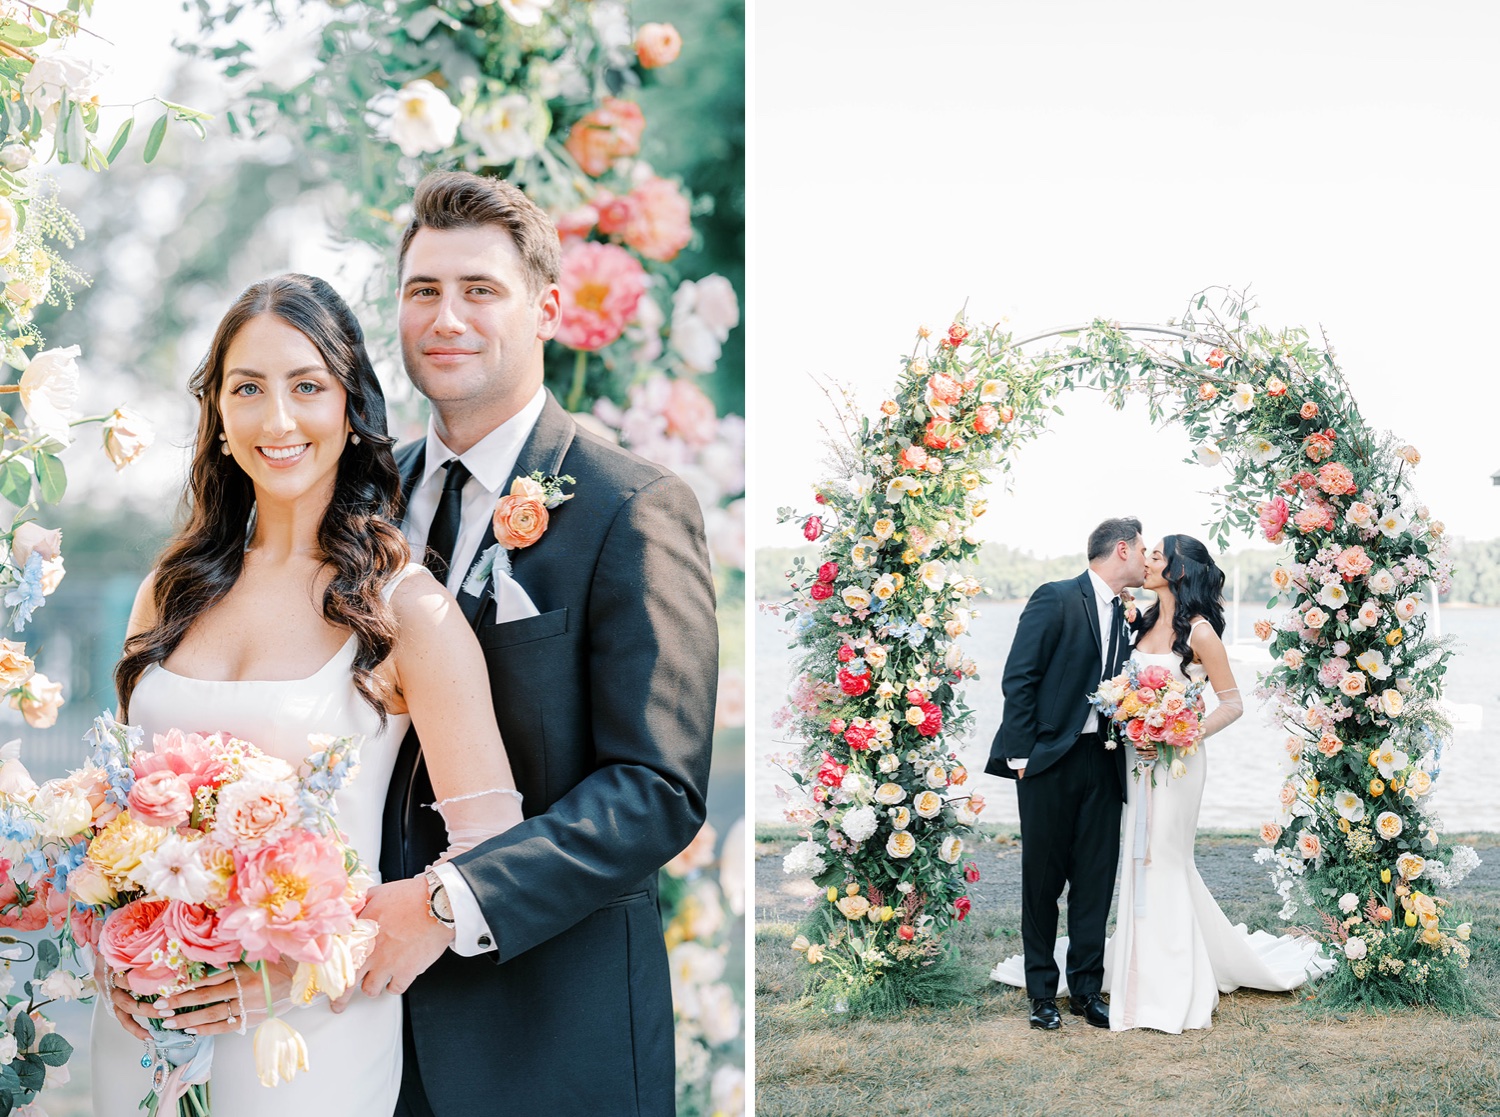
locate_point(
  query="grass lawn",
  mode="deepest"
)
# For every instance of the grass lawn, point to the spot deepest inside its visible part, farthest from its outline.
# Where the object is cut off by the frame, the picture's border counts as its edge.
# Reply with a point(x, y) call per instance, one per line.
point(1273, 1054)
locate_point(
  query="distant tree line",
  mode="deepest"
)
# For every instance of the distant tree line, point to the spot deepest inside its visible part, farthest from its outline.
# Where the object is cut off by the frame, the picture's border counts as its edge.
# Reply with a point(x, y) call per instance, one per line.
point(1011, 574)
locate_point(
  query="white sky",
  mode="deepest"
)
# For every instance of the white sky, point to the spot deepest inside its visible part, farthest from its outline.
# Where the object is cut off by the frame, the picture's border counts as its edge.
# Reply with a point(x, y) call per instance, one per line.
point(1056, 161)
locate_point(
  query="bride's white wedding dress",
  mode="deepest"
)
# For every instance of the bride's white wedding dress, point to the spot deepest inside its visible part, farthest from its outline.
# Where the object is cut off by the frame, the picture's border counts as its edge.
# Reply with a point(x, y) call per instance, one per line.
point(1173, 951)
point(355, 1056)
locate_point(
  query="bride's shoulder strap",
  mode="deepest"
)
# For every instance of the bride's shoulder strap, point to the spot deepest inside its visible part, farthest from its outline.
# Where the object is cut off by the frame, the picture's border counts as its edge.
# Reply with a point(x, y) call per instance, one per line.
point(1194, 626)
point(389, 589)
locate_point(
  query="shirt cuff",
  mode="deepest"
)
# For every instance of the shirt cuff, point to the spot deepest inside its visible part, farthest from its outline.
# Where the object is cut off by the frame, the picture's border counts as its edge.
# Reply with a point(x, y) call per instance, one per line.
point(471, 934)
point(1018, 765)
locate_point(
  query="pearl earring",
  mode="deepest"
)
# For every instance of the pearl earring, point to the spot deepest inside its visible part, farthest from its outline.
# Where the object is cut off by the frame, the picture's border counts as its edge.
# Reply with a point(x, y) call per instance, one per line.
point(224, 438)
point(354, 438)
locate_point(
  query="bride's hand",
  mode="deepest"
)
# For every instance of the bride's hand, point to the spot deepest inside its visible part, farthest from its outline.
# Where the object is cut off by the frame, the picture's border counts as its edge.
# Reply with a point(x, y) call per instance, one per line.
point(1146, 750)
point(221, 1002)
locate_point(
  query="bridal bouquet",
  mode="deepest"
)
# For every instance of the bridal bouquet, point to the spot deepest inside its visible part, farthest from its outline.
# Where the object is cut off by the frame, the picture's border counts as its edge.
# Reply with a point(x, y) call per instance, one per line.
point(202, 852)
point(1149, 704)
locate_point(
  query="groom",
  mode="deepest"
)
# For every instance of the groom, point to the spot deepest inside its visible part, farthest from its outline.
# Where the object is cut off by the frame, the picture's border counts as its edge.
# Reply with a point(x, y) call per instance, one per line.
point(537, 972)
point(1070, 787)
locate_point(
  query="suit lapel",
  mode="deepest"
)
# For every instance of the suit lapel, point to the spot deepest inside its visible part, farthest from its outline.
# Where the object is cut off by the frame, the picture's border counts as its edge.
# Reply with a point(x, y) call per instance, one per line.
point(1086, 587)
point(543, 452)
point(410, 460)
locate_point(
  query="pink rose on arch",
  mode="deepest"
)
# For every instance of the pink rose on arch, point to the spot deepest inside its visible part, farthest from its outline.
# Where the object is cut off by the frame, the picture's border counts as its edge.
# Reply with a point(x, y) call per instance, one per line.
point(1353, 563)
point(660, 220)
point(601, 285)
point(161, 798)
point(1273, 517)
point(197, 928)
point(287, 899)
point(1154, 677)
point(690, 414)
point(820, 591)
point(986, 419)
point(1335, 479)
point(130, 936)
point(611, 131)
point(913, 457)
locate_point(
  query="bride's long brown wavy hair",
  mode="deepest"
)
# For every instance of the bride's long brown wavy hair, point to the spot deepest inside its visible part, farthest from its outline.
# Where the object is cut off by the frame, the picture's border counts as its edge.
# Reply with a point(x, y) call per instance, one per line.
point(358, 536)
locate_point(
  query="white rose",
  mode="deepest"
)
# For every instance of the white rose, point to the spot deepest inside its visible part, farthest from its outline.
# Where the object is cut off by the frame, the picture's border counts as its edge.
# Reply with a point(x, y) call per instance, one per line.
point(1354, 949)
point(1348, 902)
point(951, 849)
point(856, 597)
point(49, 389)
point(8, 1049)
point(1381, 581)
point(928, 804)
point(65, 985)
point(421, 119)
point(1391, 701)
point(501, 129)
point(889, 794)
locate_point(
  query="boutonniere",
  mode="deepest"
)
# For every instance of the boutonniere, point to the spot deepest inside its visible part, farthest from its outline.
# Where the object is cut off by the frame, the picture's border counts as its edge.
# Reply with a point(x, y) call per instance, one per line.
point(521, 518)
point(1127, 599)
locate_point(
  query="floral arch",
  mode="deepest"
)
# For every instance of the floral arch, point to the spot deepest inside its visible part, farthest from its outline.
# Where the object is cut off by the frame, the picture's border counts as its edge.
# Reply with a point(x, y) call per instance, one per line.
point(1354, 850)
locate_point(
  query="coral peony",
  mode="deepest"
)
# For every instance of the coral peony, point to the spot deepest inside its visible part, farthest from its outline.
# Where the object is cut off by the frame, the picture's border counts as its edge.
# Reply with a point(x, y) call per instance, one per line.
point(601, 286)
point(609, 132)
point(288, 897)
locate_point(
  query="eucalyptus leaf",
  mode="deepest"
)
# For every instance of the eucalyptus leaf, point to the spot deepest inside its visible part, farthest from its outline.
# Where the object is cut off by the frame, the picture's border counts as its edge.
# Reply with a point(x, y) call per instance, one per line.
point(122, 137)
point(153, 141)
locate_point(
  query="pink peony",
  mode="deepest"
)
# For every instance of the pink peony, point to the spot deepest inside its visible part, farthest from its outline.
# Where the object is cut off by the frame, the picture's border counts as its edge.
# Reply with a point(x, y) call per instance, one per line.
point(609, 132)
point(690, 414)
point(660, 222)
point(187, 754)
point(601, 286)
point(1154, 678)
point(1273, 517)
point(161, 798)
point(130, 936)
point(287, 899)
point(198, 929)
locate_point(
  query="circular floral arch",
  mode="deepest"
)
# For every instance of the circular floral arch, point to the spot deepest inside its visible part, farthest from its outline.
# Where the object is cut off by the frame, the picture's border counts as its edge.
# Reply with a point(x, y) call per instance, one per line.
point(886, 814)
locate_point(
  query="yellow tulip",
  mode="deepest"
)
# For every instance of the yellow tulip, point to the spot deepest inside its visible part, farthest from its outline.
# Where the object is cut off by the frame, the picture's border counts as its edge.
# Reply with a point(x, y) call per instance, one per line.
point(1411, 919)
point(833, 894)
point(279, 1052)
point(1385, 876)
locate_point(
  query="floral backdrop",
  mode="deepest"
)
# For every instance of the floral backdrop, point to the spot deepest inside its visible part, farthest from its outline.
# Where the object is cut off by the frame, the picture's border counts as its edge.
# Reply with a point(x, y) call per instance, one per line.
point(1355, 851)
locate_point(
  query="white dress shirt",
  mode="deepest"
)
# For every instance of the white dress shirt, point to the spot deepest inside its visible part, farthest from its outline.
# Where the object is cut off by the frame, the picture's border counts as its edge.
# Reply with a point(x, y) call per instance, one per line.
point(1104, 603)
point(491, 462)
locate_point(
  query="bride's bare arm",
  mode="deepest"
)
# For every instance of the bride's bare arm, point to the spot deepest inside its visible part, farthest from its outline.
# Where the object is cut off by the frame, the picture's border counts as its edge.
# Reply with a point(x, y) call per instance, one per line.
point(1210, 652)
point(441, 674)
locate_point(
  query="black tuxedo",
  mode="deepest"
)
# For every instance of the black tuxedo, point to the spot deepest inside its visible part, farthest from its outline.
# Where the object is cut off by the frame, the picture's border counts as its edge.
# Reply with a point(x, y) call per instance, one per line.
point(605, 702)
point(1073, 787)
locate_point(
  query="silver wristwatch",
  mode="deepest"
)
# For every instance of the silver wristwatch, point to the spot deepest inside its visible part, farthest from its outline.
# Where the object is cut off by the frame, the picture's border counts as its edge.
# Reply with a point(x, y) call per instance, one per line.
point(438, 905)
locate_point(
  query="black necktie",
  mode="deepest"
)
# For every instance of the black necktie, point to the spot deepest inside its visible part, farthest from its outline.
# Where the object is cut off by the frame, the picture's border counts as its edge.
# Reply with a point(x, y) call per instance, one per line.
point(444, 531)
point(1112, 653)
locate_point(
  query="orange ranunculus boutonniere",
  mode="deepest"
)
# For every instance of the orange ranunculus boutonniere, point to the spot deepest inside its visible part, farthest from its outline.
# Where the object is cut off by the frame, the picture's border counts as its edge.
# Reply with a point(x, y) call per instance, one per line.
point(521, 518)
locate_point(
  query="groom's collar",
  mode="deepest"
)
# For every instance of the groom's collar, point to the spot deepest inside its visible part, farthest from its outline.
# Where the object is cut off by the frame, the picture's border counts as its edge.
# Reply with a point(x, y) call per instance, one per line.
point(492, 461)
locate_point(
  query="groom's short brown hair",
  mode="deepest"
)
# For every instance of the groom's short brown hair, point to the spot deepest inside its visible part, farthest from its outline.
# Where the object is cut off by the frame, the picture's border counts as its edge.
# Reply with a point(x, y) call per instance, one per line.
point(1103, 538)
point(460, 200)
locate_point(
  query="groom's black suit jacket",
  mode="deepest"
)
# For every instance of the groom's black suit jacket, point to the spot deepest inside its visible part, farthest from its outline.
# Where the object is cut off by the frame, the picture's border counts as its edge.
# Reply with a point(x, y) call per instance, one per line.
point(1053, 666)
point(605, 702)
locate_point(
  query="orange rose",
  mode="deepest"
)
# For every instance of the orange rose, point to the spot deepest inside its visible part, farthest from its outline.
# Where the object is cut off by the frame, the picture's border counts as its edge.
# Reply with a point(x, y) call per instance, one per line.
point(519, 521)
point(1270, 833)
point(657, 44)
point(1309, 410)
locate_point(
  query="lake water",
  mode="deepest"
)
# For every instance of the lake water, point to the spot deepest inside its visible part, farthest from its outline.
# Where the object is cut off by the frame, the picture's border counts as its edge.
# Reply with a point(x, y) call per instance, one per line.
point(1247, 761)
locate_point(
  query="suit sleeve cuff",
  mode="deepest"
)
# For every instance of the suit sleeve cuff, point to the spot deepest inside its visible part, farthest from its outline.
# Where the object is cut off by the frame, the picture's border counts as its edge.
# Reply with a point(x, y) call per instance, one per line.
point(1018, 765)
point(471, 934)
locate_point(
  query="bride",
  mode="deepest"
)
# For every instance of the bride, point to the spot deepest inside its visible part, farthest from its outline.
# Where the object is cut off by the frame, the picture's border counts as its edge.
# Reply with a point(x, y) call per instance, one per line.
point(1173, 951)
point(287, 606)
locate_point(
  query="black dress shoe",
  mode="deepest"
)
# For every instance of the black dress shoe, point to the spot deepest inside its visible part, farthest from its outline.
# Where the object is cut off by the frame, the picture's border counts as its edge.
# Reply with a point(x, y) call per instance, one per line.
point(1044, 1014)
point(1092, 1007)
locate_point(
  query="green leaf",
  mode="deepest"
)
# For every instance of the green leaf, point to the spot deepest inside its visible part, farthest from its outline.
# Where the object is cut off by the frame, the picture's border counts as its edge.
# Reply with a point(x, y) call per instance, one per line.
point(15, 482)
point(153, 141)
point(76, 135)
point(25, 1032)
point(54, 1050)
point(52, 478)
point(47, 959)
point(122, 137)
point(29, 1068)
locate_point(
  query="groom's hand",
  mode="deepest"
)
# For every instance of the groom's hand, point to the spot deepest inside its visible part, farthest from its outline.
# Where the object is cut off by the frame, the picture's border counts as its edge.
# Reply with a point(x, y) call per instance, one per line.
point(410, 939)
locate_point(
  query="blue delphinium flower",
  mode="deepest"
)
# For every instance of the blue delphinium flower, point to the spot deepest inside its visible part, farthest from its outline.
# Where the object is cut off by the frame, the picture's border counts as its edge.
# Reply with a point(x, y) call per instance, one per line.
point(26, 596)
point(66, 862)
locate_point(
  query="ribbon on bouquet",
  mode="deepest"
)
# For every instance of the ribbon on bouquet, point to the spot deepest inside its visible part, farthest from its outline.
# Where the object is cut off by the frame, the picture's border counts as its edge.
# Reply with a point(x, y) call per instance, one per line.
point(1140, 852)
point(181, 1061)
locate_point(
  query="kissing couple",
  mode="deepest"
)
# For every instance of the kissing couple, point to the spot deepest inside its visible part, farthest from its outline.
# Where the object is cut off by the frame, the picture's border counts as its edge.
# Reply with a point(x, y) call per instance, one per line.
point(558, 714)
point(1173, 951)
